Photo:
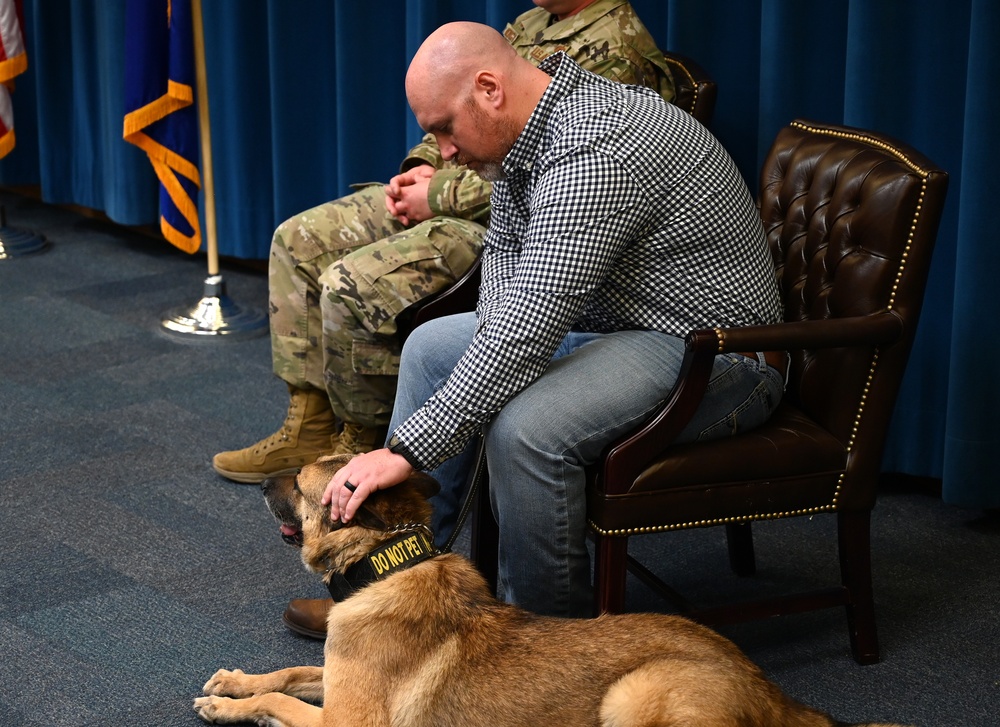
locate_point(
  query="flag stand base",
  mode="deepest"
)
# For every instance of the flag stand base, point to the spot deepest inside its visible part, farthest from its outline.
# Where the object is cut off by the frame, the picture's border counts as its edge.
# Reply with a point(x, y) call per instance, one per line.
point(214, 316)
point(15, 242)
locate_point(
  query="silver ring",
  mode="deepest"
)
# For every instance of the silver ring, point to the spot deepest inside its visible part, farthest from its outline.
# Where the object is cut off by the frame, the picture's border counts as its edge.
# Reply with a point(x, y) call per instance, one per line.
point(349, 486)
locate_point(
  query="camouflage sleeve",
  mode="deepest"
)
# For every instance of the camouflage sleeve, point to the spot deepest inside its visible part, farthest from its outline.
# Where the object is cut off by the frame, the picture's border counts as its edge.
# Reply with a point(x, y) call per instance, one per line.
point(459, 192)
point(426, 152)
point(619, 69)
point(625, 70)
point(605, 37)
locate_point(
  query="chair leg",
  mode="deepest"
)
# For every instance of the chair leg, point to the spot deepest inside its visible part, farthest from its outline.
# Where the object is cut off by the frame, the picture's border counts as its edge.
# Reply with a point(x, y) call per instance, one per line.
point(854, 536)
point(739, 537)
point(610, 557)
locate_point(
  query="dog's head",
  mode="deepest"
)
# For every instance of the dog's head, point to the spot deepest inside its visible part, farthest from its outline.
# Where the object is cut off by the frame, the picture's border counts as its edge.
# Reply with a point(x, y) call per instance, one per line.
point(294, 500)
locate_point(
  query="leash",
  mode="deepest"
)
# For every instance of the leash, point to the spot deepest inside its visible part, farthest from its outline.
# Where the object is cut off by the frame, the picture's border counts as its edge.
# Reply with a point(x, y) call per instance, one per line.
point(476, 479)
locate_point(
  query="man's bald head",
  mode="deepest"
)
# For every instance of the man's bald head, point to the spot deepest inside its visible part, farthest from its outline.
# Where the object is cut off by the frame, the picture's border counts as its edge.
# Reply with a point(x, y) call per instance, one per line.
point(450, 57)
point(468, 87)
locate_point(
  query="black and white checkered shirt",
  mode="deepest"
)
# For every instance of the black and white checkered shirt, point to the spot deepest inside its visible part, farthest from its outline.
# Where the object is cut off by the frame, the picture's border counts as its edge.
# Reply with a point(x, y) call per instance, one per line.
point(618, 212)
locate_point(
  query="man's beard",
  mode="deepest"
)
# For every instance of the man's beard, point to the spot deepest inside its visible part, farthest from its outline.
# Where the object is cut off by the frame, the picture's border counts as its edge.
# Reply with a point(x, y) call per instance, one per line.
point(491, 171)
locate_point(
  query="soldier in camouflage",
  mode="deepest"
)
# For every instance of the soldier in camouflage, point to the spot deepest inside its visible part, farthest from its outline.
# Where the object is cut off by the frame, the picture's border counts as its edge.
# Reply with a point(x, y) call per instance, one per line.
point(340, 274)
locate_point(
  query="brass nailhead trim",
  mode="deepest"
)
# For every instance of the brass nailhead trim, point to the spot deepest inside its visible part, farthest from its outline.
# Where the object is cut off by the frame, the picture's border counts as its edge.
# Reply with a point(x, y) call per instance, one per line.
point(909, 242)
point(868, 140)
point(706, 523)
point(694, 85)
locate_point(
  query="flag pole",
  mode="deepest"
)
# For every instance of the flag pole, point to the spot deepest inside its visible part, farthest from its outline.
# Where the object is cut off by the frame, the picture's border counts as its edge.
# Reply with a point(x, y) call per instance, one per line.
point(215, 315)
point(205, 133)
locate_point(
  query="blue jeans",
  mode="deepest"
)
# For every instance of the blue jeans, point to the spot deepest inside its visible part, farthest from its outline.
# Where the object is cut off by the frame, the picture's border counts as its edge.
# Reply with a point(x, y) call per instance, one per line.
point(597, 388)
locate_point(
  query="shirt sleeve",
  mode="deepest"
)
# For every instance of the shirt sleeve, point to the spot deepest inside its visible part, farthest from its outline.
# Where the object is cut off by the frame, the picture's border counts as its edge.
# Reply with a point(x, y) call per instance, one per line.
point(537, 280)
point(426, 152)
point(459, 192)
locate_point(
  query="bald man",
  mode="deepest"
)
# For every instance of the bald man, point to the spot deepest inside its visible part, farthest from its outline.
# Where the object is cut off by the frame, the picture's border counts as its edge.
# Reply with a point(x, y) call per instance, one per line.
point(619, 224)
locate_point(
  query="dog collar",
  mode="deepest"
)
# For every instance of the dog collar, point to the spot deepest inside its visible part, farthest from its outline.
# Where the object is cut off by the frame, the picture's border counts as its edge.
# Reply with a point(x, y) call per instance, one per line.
point(413, 545)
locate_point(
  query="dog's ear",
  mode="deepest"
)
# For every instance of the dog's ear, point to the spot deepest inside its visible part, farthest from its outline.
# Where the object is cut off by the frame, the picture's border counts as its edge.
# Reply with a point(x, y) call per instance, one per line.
point(381, 509)
point(366, 517)
point(424, 484)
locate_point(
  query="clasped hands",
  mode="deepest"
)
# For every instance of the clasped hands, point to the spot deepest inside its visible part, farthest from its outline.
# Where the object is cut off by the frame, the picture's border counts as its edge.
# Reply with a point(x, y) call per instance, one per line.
point(406, 195)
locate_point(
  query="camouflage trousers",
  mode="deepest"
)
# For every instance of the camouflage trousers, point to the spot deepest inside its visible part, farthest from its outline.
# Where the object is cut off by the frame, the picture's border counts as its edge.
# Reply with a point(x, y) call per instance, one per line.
point(339, 275)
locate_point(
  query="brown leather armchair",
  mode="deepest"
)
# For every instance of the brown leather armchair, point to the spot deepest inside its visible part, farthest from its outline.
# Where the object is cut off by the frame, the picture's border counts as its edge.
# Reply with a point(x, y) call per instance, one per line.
point(851, 217)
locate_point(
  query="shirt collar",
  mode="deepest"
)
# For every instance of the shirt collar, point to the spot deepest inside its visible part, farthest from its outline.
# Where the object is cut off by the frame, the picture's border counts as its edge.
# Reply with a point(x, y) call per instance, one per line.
point(527, 148)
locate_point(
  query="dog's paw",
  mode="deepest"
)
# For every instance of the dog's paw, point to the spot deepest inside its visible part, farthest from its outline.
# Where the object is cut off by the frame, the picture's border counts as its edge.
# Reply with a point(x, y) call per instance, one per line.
point(217, 710)
point(225, 683)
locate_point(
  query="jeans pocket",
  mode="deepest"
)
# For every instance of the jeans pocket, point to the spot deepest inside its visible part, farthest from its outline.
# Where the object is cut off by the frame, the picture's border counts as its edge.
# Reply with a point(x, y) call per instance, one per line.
point(746, 409)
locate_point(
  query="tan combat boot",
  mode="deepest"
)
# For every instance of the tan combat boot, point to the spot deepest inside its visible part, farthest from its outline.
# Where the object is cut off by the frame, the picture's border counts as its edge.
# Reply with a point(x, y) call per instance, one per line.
point(356, 439)
point(309, 432)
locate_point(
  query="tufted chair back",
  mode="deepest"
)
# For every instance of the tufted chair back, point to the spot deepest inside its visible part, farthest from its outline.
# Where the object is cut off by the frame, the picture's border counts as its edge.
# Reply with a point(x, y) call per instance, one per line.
point(851, 229)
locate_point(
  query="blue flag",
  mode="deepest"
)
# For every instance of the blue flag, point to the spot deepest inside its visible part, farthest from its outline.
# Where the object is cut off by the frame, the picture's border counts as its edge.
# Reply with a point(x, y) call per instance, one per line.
point(160, 114)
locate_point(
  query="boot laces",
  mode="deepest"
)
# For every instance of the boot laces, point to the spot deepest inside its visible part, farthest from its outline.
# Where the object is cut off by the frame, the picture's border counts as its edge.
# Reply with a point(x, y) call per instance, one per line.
point(282, 435)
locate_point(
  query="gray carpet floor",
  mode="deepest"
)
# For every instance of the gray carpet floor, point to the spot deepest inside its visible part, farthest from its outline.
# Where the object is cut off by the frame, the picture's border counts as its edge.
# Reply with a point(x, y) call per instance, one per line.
point(131, 572)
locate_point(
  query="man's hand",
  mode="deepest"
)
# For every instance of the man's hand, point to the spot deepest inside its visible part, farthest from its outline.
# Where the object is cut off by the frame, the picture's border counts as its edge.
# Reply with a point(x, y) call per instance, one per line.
point(363, 475)
point(406, 195)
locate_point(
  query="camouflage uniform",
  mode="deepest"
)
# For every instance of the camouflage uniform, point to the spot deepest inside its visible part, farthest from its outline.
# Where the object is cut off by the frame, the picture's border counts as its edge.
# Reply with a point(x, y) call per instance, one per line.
point(342, 272)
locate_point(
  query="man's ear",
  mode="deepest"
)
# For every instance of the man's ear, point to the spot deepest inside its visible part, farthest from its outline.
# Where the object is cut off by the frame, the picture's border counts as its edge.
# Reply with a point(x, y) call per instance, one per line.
point(488, 87)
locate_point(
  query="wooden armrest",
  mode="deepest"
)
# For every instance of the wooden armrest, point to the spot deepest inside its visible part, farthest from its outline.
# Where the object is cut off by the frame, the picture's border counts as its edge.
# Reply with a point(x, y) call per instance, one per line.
point(874, 330)
point(630, 455)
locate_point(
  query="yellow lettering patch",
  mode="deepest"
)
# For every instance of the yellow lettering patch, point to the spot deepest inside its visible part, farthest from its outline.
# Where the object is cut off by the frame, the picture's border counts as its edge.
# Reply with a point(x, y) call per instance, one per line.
point(399, 553)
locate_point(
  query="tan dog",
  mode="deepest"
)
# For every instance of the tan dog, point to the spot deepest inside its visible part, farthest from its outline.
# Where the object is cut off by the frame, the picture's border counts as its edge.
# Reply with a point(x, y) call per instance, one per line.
point(426, 644)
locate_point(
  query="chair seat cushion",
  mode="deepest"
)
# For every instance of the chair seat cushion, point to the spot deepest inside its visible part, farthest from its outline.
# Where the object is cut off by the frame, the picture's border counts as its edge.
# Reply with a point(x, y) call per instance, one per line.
point(789, 444)
point(790, 465)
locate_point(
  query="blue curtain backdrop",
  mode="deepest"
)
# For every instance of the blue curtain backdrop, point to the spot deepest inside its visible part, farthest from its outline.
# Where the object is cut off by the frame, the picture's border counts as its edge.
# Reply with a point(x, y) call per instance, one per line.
point(307, 97)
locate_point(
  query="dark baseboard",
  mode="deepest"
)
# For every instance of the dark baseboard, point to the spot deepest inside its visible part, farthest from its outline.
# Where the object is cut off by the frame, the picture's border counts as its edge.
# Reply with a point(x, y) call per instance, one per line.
point(912, 484)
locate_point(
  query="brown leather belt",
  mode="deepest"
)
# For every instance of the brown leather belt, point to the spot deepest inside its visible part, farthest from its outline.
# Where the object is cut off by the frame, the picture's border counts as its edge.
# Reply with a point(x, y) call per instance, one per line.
point(777, 360)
